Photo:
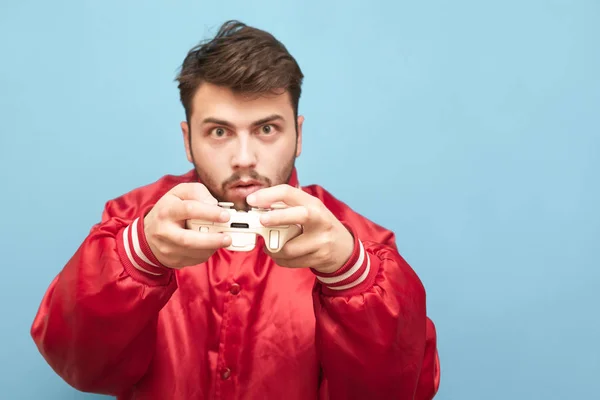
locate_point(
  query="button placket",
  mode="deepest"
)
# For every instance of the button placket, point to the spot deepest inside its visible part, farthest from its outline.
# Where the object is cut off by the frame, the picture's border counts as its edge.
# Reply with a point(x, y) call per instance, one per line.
point(224, 373)
point(231, 333)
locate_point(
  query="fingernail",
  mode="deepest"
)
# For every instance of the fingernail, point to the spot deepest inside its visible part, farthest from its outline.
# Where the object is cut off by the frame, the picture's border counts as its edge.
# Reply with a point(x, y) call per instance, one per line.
point(226, 240)
point(251, 198)
point(224, 216)
point(265, 219)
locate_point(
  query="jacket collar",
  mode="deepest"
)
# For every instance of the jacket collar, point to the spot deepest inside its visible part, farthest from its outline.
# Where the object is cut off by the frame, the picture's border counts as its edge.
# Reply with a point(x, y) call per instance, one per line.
point(294, 179)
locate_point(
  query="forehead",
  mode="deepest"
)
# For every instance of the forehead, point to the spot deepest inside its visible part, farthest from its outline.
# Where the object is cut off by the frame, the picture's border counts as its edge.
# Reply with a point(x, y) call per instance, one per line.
point(223, 103)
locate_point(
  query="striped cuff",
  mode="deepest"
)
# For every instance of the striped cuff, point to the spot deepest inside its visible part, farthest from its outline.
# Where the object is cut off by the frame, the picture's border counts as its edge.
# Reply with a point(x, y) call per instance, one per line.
point(135, 252)
point(137, 249)
point(355, 275)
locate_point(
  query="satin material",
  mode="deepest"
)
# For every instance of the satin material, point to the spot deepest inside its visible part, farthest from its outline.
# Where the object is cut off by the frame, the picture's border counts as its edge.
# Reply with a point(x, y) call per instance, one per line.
point(238, 326)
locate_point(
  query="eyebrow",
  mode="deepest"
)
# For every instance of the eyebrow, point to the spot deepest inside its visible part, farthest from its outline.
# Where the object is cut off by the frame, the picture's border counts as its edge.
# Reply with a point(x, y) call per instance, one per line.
point(270, 118)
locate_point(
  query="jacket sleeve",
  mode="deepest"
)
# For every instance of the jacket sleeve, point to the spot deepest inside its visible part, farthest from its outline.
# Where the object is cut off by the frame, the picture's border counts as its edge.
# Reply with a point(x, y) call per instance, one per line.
point(373, 336)
point(96, 324)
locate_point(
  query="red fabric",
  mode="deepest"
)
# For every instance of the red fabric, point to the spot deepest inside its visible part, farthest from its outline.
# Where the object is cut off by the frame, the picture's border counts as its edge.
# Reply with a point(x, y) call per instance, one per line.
point(238, 326)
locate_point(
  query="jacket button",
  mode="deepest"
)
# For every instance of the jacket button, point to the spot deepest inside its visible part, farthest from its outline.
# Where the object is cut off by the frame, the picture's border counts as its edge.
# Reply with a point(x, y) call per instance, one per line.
point(235, 289)
point(225, 374)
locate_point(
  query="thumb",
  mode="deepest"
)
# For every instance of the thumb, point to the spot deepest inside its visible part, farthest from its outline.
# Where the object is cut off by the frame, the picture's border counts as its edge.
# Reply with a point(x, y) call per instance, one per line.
point(193, 191)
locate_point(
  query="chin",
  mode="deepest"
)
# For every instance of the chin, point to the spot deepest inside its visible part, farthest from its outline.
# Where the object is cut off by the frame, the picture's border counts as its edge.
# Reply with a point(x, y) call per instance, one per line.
point(238, 196)
point(241, 206)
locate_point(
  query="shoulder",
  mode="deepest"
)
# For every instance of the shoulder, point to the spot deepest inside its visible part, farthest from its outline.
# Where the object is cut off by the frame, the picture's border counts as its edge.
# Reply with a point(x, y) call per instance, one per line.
point(363, 226)
point(131, 203)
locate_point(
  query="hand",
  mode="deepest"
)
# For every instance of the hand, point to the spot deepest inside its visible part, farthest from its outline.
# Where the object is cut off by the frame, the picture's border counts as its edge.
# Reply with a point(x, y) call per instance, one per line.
point(172, 244)
point(325, 244)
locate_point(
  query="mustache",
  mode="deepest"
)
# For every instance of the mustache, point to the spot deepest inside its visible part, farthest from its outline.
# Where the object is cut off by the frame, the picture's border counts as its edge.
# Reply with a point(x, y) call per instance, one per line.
point(252, 174)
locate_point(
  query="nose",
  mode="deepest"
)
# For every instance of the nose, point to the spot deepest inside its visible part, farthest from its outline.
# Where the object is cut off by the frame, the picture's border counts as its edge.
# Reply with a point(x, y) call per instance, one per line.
point(244, 156)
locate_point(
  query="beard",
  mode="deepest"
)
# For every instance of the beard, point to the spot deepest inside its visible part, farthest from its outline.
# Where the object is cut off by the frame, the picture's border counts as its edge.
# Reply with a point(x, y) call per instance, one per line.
point(219, 189)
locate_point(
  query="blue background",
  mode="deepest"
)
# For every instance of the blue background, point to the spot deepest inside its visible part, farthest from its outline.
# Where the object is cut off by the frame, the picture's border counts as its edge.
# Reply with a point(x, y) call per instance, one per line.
point(470, 128)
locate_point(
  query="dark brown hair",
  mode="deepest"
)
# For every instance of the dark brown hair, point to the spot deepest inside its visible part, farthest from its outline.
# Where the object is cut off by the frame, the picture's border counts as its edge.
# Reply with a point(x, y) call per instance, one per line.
point(245, 59)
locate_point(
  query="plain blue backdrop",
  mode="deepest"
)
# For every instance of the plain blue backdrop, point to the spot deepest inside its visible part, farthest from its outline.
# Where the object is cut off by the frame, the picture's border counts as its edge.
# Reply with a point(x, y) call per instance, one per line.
point(470, 128)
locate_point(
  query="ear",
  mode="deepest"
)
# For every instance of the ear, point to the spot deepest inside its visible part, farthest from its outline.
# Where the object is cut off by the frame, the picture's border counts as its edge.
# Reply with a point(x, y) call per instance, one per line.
point(185, 130)
point(299, 138)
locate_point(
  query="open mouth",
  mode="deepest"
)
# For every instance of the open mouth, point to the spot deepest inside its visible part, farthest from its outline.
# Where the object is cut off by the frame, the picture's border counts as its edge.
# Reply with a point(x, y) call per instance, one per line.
point(246, 184)
point(241, 189)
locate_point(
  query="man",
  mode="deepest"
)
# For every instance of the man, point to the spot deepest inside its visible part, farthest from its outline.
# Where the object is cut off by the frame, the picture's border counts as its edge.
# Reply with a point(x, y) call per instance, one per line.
point(147, 309)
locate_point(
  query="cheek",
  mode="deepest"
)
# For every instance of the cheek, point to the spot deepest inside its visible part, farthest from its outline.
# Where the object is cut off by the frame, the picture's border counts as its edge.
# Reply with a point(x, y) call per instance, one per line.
point(277, 160)
point(209, 155)
point(211, 162)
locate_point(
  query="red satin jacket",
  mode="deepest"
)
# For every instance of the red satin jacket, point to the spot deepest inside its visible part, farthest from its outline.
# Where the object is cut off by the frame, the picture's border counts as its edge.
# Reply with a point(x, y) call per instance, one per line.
point(237, 326)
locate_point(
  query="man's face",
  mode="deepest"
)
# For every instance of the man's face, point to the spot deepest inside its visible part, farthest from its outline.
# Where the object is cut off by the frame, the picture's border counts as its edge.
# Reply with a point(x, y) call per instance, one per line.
point(240, 144)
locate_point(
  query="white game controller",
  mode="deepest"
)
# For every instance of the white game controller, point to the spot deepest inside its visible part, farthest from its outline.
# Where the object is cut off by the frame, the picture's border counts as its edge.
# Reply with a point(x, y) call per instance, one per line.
point(244, 226)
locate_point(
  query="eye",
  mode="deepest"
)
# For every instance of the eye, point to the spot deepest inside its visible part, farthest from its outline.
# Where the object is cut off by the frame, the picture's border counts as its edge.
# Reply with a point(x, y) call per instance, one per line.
point(267, 129)
point(218, 132)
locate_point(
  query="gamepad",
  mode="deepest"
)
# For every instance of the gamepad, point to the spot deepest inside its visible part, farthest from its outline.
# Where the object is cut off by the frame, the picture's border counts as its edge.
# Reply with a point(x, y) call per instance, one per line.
point(244, 226)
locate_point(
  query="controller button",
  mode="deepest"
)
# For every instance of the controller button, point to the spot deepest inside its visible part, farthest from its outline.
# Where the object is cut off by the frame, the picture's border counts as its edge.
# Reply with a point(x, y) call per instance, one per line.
point(204, 229)
point(273, 239)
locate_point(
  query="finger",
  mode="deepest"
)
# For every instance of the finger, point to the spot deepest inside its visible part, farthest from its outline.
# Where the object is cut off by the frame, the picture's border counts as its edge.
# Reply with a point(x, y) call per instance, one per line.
point(191, 240)
point(298, 215)
point(297, 248)
point(190, 259)
point(280, 193)
point(305, 261)
point(193, 191)
point(192, 209)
